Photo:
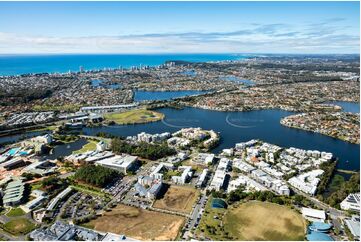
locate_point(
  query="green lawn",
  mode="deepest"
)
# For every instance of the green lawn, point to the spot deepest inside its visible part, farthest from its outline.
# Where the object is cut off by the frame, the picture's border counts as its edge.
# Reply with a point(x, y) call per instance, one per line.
point(211, 223)
point(134, 116)
point(252, 221)
point(91, 145)
point(263, 221)
point(36, 186)
point(19, 226)
point(90, 190)
point(47, 128)
point(15, 212)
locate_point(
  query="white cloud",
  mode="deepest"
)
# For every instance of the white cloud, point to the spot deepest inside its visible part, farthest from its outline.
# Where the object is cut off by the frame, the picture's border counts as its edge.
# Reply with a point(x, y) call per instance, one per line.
point(321, 38)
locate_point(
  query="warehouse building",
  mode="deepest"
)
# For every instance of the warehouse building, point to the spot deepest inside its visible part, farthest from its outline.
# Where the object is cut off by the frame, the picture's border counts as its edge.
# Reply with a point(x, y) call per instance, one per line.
point(123, 163)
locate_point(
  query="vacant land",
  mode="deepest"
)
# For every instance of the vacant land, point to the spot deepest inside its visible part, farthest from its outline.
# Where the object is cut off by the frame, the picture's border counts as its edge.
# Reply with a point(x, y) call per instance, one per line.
point(138, 223)
point(91, 145)
point(178, 198)
point(134, 116)
point(264, 221)
point(19, 226)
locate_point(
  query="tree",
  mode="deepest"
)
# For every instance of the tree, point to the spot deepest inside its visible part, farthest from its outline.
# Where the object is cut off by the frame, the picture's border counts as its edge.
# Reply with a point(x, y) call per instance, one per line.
point(96, 175)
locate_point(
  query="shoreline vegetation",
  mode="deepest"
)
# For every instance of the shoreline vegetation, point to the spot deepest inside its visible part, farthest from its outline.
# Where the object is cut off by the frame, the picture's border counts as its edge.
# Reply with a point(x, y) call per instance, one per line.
point(338, 125)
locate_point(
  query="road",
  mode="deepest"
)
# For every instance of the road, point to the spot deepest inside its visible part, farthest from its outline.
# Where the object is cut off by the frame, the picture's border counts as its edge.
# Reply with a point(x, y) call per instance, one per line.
point(334, 213)
point(196, 210)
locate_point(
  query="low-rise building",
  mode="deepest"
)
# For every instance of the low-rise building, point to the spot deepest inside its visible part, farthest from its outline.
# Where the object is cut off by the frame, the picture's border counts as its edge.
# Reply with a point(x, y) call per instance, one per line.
point(204, 158)
point(40, 197)
point(122, 163)
point(183, 178)
point(353, 225)
point(313, 215)
point(307, 182)
point(202, 178)
point(59, 197)
point(351, 202)
point(13, 194)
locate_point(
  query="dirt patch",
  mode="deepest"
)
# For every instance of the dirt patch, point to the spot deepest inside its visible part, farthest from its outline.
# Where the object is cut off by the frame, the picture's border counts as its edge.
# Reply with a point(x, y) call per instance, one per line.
point(178, 198)
point(139, 223)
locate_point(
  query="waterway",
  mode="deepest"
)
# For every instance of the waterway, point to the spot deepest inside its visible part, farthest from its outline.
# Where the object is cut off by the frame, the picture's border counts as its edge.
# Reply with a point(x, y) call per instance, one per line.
point(234, 127)
point(237, 127)
point(22, 136)
point(352, 107)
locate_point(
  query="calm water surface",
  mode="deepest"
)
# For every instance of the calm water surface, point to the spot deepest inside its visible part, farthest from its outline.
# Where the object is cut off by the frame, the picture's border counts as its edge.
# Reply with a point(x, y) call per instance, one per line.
point(237, 127)
point(348, 106)
point(65, 149)
point(24, 64)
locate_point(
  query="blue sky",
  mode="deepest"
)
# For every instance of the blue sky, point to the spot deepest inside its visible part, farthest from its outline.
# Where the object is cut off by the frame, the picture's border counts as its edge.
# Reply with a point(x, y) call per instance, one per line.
point(179, 27)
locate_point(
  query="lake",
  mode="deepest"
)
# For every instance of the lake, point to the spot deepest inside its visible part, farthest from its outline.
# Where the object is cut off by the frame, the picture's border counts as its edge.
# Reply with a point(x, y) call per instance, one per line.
point(234, 127)
point(65, 149)
point(237, 127)
point(100, 83)
point(238, 80)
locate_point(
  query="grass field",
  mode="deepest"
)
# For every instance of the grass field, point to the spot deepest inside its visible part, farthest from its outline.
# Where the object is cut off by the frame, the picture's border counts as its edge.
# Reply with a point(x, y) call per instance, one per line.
point(178, 198)
point(138, 223)
point(19, 226)
point(15, 212)
point(91, 145)
point(264, 221)
point(134, 116)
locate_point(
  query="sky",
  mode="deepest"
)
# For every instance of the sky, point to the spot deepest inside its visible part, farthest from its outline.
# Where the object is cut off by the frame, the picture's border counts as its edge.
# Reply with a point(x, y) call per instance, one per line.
point(179, 27)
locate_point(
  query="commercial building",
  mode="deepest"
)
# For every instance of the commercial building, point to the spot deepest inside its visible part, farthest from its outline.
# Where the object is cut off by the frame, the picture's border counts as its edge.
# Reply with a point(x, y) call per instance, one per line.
point(123, 163)
point(104, 109)
point(40, 197)
point(44, 139)
point(313, 215)
point(13, 194)
point(42, 168)
point(353, 225)
point(13, 163)
point(59, 197)
point(351, 202)
point(65, 232)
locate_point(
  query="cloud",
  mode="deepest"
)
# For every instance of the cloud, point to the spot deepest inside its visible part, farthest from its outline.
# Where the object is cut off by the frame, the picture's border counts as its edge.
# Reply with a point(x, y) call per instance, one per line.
point(322, 37)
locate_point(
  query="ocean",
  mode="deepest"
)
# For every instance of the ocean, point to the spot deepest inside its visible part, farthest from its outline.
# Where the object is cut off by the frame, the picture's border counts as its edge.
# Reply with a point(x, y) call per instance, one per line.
point(26, 64)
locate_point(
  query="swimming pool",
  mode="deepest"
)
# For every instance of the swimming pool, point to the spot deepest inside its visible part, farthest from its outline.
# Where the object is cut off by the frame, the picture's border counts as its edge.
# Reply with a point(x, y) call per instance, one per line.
point(13, 151)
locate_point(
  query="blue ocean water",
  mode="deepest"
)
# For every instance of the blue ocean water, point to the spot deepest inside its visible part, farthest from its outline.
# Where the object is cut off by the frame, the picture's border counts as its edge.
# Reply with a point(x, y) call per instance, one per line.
point(25, 64)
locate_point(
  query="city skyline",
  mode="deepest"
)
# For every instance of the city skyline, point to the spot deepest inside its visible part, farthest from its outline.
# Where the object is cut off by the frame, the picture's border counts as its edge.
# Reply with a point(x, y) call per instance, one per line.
point(179, 27)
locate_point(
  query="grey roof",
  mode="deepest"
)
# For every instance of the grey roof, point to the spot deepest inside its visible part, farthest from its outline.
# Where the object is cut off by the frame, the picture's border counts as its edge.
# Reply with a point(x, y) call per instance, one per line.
point(140, 189)
point(354, 227)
